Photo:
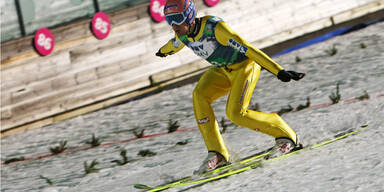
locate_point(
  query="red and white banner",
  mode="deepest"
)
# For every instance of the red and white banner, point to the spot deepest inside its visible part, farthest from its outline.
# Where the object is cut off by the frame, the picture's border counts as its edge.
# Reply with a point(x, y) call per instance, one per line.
point(44, 41)
point(211, 3)
point(101, 25)
point(156, 9)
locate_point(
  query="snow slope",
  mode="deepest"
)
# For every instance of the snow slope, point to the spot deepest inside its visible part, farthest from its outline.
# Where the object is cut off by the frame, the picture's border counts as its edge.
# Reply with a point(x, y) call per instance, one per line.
point(352, 164)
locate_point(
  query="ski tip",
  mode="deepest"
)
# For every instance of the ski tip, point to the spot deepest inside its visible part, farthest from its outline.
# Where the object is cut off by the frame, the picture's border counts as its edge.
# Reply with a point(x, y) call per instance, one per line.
point(141, 186)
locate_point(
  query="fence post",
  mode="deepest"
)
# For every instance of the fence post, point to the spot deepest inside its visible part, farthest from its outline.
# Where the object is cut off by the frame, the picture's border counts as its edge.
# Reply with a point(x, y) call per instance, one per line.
point(20, 18)
point(96, 4)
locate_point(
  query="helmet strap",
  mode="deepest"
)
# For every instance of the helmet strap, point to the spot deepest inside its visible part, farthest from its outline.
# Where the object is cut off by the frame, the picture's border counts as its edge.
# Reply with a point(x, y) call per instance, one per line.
point(194, 28)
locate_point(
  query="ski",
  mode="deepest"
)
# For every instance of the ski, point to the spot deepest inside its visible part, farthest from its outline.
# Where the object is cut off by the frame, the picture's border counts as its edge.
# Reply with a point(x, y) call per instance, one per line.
point(208, 174)
point(217, 173)
point(247, 163)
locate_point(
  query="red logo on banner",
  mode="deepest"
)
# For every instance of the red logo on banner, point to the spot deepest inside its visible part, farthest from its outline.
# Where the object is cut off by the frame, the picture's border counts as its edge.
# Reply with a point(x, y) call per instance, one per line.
point(211, 3)
point(156, 9)
point(44, 41)
point(101, 25)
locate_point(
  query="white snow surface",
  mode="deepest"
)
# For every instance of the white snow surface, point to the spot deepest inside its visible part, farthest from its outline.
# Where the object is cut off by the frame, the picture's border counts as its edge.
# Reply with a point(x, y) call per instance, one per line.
point(352, 164)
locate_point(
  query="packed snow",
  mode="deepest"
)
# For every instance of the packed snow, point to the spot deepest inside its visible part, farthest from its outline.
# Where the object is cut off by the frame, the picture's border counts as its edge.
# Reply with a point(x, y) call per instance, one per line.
point(352, 164)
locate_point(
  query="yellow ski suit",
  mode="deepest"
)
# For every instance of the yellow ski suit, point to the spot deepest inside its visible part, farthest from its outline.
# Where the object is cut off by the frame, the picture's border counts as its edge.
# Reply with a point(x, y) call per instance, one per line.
point(236, 69)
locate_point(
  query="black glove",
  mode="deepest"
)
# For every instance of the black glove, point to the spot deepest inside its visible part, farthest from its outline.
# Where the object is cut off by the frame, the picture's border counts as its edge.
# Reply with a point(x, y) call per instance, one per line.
point(160, 54)
point(286, 76)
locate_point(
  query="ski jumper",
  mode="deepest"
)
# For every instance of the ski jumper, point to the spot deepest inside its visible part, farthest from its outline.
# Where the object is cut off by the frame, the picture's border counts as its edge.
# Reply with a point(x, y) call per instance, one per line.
point(236, 69)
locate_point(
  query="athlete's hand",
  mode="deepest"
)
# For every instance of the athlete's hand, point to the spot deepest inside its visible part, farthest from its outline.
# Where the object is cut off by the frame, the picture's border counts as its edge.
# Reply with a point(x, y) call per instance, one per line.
point(286, 76)
point(160, 54)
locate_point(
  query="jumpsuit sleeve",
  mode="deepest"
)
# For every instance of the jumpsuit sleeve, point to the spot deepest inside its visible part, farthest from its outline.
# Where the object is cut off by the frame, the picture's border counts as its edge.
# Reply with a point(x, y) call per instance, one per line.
point(173, 46)
point(227, 37)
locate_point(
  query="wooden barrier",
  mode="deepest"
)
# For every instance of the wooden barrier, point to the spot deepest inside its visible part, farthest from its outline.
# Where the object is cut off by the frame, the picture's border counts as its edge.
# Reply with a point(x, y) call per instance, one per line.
point(84, 74)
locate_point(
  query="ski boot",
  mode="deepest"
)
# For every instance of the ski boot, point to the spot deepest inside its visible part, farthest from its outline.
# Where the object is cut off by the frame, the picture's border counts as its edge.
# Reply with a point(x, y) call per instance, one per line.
point(213, 161)
point(282, 146)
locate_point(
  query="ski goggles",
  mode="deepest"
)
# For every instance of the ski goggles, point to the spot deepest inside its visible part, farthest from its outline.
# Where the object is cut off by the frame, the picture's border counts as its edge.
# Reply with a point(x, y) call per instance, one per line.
point(175, 18)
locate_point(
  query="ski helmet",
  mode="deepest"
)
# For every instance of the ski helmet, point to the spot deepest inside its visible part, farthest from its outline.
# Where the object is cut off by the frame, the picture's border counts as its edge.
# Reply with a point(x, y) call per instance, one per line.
point(179, 11)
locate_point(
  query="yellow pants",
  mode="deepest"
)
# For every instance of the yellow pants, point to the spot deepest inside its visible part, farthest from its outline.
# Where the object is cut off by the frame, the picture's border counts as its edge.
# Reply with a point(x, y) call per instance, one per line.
point(239, 80)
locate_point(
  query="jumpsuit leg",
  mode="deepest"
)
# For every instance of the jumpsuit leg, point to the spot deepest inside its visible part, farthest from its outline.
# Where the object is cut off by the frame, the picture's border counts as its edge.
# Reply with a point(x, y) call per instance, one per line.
point(212, 85)
point(243, 83)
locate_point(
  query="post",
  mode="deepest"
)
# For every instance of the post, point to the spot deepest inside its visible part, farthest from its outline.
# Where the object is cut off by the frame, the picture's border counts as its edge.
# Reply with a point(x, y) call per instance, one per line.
point(96, 4)
point(20, 17)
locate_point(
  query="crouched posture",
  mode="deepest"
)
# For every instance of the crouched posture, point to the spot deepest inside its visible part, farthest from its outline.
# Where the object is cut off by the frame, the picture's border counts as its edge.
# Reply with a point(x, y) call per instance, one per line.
point(236, 68)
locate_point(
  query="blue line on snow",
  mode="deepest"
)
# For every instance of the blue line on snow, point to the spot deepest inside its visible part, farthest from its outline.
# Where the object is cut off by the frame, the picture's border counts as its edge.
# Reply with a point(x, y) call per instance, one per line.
point(313, 41)
point(329, 35)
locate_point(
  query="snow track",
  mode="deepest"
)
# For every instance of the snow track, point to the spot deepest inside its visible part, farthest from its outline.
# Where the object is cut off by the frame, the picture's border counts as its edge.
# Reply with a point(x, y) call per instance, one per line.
point(353, 164)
